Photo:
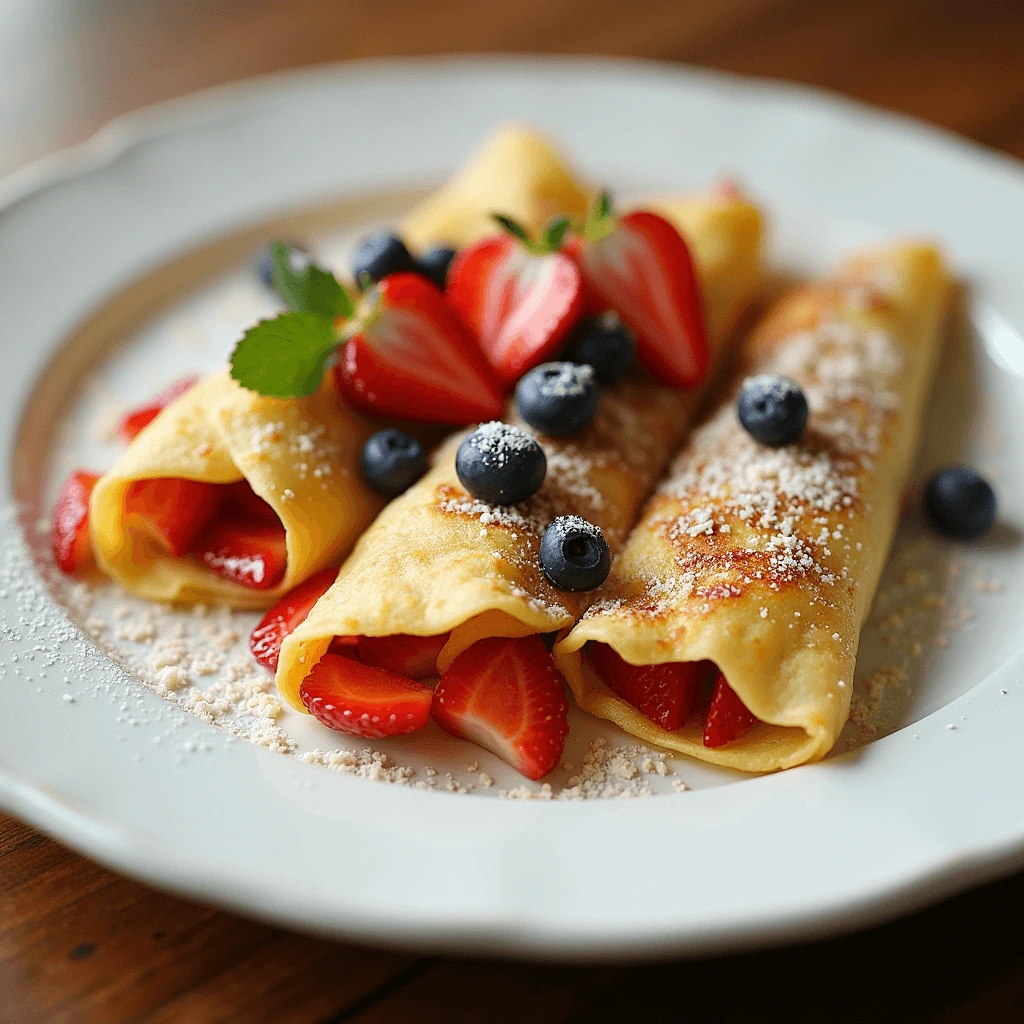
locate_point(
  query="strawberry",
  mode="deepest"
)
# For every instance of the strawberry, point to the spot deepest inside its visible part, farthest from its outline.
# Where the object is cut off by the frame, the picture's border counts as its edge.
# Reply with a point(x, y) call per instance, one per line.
point(665, 693)
point(519, 297)
point(170, 510)
point(242, 501)
point(728, 717)
point(290, 612)
point(253, 554)
point(639, 265)
point(507, 696)
point(72, 548)
point(412, 358)
point(132, 423)
point(362, 700)
point(412, 656)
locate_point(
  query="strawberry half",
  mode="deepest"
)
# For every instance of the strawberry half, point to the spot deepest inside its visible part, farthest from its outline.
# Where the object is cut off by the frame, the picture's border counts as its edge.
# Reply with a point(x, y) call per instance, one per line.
point(133, 423)
point(412, 656)
point(364, 701)
point(519, 297)
point(640, 266)
point(665, 693)
point(241, 500)
point(72, 547)
point(507, 696)
point(253, 554)
point(728, 717)
point(170, 510)
point(289, 613)
point(414, 359)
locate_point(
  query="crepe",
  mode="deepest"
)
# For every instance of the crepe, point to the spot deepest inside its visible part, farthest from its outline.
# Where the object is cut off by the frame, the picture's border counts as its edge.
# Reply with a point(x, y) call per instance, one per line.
point(765, 561)
point(300, 455)
point(436, 560)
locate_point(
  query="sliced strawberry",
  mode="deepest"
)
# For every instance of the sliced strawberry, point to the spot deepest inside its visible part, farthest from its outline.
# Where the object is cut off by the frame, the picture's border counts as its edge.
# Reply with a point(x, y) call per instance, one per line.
point(412, 656)
point(290, 612)
point(170, 510)
point(242, 501)
point(253, 554)
point(72, 547)
point(507, 696)
point(641, 267)
point(519, 304)
point(414, 359)
point(364, 701)
point(133, 423)
point(665, 693)
point(728, 717)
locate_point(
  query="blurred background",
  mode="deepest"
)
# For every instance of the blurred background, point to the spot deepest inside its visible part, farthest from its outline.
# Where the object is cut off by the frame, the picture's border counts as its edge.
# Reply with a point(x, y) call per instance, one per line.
point(67, 66)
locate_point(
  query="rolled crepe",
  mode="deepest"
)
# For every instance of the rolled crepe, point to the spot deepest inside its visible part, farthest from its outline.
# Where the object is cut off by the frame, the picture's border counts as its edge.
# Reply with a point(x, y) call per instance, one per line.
point(765, 561)
point(437, 561)
point(300, 455)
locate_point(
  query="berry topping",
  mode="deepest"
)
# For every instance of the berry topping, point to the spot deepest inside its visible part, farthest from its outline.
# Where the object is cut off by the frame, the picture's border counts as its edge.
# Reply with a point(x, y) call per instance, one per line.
point(772, 409)
point(298, 256)
point(133, 423)
point(574, 554)
point(639, 265)
point(286, 616)
point(558, 398)
point(364, 701)
point(519, 297)
point(606, 344)
point(170, 510)
point(380, 256)
point(414, 359)
point(728, 717)
point(392, 461)
point(665, 694)
point(507, 696)
point(242, 502)
point(500, 464)
point(959, 503)
point(72, 547)
point(253, 554)
point(412, 656)
point(434, 264)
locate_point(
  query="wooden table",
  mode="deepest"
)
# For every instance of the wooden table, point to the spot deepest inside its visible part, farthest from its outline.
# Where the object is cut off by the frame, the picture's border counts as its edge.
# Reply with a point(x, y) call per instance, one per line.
point(78, 943)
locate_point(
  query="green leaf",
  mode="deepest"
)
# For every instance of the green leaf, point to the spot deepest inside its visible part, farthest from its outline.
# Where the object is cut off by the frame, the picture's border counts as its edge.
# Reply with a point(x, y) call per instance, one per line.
point(555, 232)
point(311, 290)
point(515, 229)
point(603, 206)
point(285, 357)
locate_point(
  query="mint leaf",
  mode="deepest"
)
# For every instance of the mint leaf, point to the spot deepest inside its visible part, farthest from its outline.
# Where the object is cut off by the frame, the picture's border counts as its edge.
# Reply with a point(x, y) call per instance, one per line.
point(284, 357)
point(309, 290)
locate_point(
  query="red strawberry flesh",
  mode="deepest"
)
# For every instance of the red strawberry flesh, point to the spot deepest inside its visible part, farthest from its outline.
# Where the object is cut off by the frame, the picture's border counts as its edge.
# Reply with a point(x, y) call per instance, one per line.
point(253, 554)
point(362, 700)
point(133, 423)
point(72, 547)
point(412, 656)
point(286, 616)
point(728, 716)
point(507, 696)
point(171, 511)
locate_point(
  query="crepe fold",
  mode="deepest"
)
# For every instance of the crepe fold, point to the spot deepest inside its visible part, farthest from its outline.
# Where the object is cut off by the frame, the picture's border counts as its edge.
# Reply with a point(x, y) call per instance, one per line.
point(437, 561)
point(765, 561)
point(300, 455)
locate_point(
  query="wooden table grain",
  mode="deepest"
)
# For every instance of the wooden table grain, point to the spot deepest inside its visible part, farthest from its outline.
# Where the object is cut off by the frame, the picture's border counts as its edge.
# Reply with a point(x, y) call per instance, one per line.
point(81, 944)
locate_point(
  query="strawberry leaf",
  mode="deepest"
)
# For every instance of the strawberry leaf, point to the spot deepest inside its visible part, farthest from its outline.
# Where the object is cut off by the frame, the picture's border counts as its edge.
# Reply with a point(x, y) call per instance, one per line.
point(603, 206)
point(515, 229)
point(285, 357)
point(310, 289)
point(555, 232)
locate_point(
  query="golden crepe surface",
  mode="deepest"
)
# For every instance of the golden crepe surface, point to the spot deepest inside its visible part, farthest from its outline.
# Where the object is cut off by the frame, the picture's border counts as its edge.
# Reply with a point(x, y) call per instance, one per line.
point(765, 561)
point(299, 455)
point(436, 560)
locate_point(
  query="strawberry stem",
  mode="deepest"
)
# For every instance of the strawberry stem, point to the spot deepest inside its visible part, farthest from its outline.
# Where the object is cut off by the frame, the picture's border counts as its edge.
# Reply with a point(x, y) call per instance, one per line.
point(549, 242)
point(600, 222)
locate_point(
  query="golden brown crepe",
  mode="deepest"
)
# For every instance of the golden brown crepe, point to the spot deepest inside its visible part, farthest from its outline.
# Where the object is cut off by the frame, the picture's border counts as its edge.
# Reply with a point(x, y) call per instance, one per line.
point(436, 560)
point(299, 455)
point(765, 561)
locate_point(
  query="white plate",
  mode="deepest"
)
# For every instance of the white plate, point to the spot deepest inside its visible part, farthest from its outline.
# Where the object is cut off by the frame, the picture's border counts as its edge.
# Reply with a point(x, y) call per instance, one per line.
point(908, 818)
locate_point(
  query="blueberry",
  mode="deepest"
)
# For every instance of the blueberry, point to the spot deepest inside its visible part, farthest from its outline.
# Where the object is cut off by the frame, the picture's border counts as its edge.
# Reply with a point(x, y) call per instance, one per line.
point(773, 409)
point(606, 344)
point(381, 255)
point(959, 503)
point(434, 264)
point(558, 398)
point(500, 464)
point(298, 256)
point(574, 554)
point(392, 461)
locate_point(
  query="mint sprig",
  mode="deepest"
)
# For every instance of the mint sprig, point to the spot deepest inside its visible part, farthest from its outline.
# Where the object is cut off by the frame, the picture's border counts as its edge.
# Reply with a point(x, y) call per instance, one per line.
point(310, 289)
point(285, 357)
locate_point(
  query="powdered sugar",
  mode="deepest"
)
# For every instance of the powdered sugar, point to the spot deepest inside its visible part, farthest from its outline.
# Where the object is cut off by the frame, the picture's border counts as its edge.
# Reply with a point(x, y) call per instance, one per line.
point(565, 380)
